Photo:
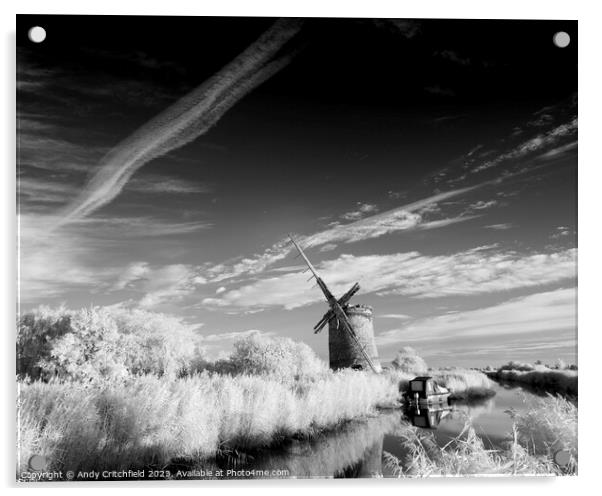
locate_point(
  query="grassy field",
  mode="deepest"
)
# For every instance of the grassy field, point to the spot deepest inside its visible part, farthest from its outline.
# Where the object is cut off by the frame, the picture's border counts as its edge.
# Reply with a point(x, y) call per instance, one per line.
point(554, 380)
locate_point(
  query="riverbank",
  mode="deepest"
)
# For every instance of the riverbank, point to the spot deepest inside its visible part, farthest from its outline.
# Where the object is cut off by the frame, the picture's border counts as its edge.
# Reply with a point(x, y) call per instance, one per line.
point(555, 381)
point(148, 421)
point(463, 384)
point(531, 446)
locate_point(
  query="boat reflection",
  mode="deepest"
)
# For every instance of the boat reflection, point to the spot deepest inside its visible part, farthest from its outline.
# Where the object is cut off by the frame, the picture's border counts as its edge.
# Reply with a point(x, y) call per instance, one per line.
point(427, 417)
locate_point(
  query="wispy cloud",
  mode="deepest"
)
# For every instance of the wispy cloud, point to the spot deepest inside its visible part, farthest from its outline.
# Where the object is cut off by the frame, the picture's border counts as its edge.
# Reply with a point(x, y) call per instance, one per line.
point(560, 150)
point(436, 89)
point(157, 285)
point(396, 316)
point(398, 219)
point(158, 183)
point(499, 227)
point(481, 205)
point(361, 211)
point(136, 227)
point(168, 283)
point(454, 57)
point(188, 118)
point(548, 311)
point(476, 271)
point(407, 217)
point(561, 231)
point(535, 144)
point(233, 336)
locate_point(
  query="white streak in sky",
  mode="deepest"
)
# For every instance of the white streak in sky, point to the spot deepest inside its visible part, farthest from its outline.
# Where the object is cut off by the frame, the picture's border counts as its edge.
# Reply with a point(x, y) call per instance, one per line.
point(190, 117)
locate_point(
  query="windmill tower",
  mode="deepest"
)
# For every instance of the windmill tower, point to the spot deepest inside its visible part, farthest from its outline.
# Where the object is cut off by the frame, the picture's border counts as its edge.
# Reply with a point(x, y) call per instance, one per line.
point(350, 328)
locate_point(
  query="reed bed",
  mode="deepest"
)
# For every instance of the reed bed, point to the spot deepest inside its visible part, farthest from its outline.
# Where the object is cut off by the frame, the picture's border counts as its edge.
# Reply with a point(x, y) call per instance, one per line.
point(556, 381)
point(464, 384)
point(147, 421)
point(548, 426)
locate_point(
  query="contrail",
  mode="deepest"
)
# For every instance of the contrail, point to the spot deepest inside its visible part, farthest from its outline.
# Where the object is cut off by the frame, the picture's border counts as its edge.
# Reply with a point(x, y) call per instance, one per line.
point(188, 118)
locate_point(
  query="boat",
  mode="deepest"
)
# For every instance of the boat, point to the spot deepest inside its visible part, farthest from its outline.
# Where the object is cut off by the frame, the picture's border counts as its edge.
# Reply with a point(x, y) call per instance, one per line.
point(424, 391)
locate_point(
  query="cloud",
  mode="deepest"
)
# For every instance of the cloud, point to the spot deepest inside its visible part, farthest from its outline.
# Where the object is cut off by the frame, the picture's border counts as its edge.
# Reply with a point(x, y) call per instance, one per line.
point(499, 227)
point(561, 150)
point(133, 273)
point(408, 28)
point(190, 117)
point(398, 219)
point(481, 205)
point(235, 335)
point(87, 256)
point(158, 183)
point(167, 283)
point(328, 247)
point(476, 271)
point(548, 311)
point(561, 231)
point(33, 191)
point(439, 90)
point(360, 212)
point(532, 145)
point(406, 217)
point(454, 57)
point(397, 316)
point(51, 264)
point(136, 227)
point(437, 224)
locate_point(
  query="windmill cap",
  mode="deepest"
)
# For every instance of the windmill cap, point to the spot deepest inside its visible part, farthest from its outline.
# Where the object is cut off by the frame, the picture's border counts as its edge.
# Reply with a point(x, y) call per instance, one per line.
point(359, 309)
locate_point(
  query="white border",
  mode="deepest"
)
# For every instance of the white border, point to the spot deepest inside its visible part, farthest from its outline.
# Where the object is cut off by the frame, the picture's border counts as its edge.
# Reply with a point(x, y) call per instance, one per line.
point(590, 181)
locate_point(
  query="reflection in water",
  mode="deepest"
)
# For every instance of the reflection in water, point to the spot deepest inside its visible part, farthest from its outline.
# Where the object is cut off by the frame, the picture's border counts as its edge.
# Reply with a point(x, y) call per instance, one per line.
point(354, 450)
point(427, 418)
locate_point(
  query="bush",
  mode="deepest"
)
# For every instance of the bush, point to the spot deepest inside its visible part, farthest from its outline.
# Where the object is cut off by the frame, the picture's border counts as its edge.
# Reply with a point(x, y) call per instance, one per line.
point(283, 357)
point(37, 331)
point(103, 343)
point(408, 361)
point(513, 365)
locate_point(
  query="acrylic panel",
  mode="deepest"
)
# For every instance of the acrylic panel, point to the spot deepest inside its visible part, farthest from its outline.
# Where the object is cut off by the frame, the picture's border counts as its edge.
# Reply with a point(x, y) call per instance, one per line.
point(295, 248)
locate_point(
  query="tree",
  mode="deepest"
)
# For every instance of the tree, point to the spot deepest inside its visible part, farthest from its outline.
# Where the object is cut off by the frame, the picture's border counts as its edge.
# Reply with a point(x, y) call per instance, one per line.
point(257, 354)
point(104, 343)
point(407, 360)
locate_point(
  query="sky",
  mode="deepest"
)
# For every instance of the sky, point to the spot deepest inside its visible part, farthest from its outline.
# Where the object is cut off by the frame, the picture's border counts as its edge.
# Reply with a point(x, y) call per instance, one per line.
point(162, 162)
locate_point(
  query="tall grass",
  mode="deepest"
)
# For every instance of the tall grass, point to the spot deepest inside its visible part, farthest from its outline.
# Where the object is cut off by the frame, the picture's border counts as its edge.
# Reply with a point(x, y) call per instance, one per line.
point(537, 434)
point(548, 426)
point(464, 383)
point(562, 381)
point(147, 421)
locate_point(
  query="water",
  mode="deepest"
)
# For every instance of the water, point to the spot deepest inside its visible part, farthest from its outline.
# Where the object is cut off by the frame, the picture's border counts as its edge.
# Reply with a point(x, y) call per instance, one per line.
point(488, 417)
point(356, 450)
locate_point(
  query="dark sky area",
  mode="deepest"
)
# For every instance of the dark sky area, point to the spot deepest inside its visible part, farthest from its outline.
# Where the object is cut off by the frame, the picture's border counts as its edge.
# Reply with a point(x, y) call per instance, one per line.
point(433, 161)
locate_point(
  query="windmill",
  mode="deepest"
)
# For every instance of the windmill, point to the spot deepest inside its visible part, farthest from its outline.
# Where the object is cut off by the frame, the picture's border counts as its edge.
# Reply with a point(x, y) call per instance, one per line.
point(351, 337)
